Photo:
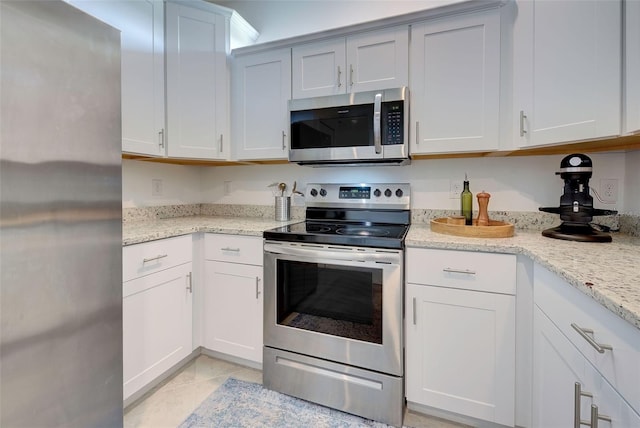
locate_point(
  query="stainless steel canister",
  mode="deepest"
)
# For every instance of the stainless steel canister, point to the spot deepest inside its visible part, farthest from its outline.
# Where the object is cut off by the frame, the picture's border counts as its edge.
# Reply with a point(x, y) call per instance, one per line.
point(283, 208)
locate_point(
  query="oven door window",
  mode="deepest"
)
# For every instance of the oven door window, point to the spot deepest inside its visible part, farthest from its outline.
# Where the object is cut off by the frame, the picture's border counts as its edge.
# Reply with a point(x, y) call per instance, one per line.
point(344, 301)
point(351, 126)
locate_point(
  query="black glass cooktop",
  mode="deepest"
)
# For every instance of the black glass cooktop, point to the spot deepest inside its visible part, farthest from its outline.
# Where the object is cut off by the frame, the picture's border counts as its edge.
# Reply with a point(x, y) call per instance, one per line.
point(360, 234)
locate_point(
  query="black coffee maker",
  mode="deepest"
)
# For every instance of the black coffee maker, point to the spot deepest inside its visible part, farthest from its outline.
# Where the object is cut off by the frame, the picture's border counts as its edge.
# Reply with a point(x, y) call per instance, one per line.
point(576, 205)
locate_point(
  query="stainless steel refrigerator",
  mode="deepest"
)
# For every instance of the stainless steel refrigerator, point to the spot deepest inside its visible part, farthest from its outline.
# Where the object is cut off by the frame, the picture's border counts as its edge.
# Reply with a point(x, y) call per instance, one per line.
point(60, 218)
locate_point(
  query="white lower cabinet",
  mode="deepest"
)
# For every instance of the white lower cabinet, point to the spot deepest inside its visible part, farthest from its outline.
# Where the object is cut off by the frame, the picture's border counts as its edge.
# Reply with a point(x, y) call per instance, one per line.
point(566, 385)
point(233, 296)
point(156, 310)
point(569, 327)
point(460, 333)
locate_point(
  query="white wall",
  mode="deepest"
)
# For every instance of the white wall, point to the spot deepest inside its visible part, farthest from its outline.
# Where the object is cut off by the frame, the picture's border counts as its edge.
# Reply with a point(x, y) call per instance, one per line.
point(632, 182)
point(180, 184)
point(280, 19)
point(515, 183)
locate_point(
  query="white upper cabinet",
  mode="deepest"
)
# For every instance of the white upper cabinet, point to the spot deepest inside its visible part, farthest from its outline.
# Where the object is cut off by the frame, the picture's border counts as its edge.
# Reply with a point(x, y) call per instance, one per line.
point(567, 71)
point(632, 67)
point(362, 62)
point(261, 89)
point(142, 42)
point(455, 84)
point(197, 82)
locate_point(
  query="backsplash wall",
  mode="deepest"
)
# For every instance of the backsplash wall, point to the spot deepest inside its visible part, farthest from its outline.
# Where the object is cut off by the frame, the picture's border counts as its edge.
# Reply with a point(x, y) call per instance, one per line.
point(515, 183)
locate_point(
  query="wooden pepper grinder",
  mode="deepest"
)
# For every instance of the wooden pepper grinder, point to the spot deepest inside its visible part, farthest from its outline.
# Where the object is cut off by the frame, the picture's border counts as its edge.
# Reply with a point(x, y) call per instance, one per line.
point(483, 202)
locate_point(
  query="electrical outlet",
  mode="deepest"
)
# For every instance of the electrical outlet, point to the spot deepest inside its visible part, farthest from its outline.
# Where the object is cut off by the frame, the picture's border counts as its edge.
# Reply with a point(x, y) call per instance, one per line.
point(156, 187)
point(609, 190)
point(455, 188)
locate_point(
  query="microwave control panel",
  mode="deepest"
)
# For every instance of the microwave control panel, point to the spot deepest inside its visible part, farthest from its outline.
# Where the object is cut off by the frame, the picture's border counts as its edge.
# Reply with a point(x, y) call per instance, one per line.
point(393, 123)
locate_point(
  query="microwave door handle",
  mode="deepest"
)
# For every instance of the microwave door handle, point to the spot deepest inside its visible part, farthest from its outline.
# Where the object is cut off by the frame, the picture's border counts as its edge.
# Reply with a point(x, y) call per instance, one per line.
point(377, 106)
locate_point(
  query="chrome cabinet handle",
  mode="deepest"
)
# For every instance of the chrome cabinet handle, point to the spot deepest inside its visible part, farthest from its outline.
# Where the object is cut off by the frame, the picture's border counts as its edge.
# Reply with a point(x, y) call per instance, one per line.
point(158, 257)
point(585, 333)
point(595, 417)
point(377, 107)
point(189, 283)
point(284, 146)
point(417, 133)
point(522, 118)
point(415, 322)
point(339, 77)
point(235, 250)
point(161, 138)
point(221, 139)
point(257, 287)
point(350, 74)
point(465, 271)
point(578, 393)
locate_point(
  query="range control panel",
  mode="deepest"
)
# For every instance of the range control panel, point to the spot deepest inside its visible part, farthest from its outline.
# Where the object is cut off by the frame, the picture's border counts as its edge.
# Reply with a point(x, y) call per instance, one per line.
point(366, 195)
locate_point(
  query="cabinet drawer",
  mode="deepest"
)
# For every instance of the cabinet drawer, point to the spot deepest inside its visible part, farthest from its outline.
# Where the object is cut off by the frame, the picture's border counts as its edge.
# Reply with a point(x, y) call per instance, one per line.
point(233, 248)
point(144, 259)
point(566, 306)
point(466, 270)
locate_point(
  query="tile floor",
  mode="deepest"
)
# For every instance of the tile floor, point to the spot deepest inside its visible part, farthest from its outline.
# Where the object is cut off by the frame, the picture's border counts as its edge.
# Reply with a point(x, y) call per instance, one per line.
point(171, 402)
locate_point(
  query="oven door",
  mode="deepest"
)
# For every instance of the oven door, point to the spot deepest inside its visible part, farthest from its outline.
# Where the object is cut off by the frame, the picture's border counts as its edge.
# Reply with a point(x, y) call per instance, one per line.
point(342, 304)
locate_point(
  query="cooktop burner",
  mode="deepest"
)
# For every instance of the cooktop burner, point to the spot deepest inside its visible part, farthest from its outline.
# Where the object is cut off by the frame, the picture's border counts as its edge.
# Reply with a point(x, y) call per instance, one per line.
point(363, 231)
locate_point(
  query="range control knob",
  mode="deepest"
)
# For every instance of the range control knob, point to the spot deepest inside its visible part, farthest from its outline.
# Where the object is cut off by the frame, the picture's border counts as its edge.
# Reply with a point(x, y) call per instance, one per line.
point(399, 193)
point(377, 193)
point(323, 192)
point(314, 192)
point(388, 193)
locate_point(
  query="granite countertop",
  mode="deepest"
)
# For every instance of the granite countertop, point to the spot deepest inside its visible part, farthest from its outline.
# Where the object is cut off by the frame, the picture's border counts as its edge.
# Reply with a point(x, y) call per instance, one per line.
point(610, 268)
point(148, 230)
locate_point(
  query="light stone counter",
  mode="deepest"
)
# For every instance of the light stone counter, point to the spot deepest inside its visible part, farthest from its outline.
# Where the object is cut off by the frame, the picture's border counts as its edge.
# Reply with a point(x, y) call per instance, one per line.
point(610, 269)
point(136, 232)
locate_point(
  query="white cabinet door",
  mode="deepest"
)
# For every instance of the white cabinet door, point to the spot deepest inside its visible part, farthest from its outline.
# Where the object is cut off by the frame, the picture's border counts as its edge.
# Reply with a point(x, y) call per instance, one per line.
point(557, 367)
point(632, 67)
point(319, 69)
point(460, 352)
point(363, 62)
point(142, 57)
point(378, 60)
point(233, 309)
point(197, 83)
point(156, 325)
point(261, 88)
point(567, 71)
point(455, 84)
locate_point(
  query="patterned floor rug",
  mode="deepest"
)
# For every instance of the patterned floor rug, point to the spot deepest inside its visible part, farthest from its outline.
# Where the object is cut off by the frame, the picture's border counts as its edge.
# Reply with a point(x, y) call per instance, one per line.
point(239, 404)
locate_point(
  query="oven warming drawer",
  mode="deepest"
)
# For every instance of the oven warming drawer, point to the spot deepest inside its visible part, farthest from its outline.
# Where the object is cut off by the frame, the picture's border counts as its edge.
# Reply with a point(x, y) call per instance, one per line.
point(379, 396)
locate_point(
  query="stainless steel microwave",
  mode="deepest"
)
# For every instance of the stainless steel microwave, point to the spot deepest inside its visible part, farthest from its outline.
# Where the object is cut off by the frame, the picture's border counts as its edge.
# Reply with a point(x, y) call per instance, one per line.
point(357, 128)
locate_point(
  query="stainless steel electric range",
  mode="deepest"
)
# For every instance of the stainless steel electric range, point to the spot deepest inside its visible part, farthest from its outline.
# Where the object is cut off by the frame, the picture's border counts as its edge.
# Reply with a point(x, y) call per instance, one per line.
point(334, 300)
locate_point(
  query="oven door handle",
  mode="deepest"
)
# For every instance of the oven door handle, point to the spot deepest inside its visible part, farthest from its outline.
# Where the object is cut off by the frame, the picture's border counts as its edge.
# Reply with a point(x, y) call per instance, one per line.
point(323, 254)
